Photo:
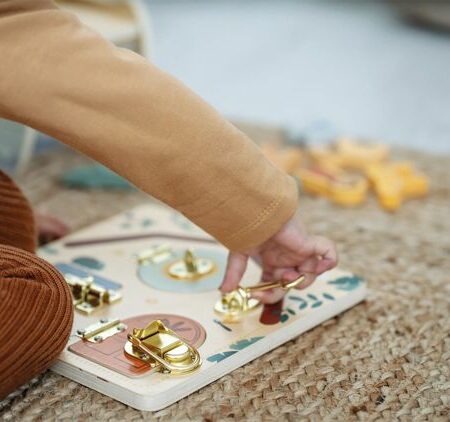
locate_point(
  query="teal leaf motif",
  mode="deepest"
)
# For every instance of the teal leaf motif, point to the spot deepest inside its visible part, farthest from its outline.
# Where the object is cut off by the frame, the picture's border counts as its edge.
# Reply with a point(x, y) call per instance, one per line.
point(239, 345)
point(146, 222)
point(218, 357)
point(242, 344)
point(317, 302)
point(302, 302)
point(284, 317)
point(313, 301)
point(347, 283)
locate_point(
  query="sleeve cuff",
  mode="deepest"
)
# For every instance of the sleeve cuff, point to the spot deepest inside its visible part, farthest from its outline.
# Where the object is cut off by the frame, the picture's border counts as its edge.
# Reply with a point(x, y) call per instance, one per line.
point(267, 221)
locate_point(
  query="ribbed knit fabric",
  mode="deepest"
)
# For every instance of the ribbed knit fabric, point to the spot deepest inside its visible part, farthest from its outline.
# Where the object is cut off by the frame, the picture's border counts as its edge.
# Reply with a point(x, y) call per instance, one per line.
point(36, 309)
point(16, 217)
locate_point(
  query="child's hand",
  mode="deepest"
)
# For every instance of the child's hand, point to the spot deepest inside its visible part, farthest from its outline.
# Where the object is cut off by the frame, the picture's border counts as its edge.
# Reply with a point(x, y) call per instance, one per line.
point(290, 253)
point(49, 228)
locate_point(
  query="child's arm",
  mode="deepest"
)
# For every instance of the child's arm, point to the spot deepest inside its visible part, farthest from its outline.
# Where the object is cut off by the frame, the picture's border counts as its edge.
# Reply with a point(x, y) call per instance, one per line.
point(62, 78)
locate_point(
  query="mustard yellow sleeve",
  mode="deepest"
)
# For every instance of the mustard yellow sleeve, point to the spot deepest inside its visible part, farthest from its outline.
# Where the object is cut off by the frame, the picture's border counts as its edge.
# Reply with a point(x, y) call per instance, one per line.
point(62, 78)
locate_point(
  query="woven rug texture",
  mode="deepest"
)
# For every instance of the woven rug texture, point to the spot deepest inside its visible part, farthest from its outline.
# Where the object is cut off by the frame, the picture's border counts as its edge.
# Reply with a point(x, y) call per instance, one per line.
point(386, 359)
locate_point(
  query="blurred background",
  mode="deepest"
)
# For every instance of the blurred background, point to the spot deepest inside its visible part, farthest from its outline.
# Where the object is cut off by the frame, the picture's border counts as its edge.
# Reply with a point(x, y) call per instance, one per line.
point(317, 68)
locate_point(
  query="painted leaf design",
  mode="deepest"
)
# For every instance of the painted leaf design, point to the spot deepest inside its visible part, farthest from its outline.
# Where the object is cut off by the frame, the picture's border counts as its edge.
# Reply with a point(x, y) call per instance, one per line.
point(218, 357)
point(242, 344)
point(347, 283)
point(284, 317)
point(302, 302)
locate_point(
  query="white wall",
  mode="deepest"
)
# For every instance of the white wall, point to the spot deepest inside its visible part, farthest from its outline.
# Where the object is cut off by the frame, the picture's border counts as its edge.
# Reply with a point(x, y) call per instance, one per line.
point(322, 66)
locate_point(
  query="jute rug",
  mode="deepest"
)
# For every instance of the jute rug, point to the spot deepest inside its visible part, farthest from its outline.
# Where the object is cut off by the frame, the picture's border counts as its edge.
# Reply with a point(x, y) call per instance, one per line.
point(386, 359)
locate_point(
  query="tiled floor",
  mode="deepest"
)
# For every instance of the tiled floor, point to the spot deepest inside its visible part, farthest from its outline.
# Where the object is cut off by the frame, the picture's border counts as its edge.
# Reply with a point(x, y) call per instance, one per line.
point(324, 67)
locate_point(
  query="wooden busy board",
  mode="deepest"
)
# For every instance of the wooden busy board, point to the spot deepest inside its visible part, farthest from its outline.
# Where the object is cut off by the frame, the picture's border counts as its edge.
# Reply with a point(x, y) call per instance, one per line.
point(109, 254)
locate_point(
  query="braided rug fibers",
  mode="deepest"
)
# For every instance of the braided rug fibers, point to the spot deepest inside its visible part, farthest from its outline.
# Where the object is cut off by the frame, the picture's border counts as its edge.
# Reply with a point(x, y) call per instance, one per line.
point(388, 358)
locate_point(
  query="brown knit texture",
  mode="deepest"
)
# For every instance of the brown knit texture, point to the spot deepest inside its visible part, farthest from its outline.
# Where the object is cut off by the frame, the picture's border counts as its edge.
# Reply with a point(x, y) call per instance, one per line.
point(35, 303)
point(16, 217)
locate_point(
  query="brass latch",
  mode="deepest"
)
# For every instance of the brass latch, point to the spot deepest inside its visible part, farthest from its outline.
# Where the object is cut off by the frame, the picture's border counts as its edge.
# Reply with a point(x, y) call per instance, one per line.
point(101, 330)
point(234, 304)
point(89, 296)
point(154, 255)
point(160, 347)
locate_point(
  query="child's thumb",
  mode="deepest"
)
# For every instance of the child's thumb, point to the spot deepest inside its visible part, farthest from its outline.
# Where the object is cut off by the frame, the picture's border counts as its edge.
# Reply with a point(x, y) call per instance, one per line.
point(236, 266)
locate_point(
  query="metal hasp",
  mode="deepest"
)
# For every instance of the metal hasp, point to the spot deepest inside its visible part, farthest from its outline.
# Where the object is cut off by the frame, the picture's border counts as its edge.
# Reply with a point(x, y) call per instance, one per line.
point(231, 306)
point(101, 330)
point(160, 347)
point(190, 268)
point(89, 296)
point(154, 255)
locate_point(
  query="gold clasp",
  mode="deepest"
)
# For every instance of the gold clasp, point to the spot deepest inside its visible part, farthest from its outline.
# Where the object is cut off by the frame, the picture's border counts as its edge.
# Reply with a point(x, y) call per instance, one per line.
point(88, 296)
point(154, 255)
point(234, 304)
point(159, 346)
point(101, 330)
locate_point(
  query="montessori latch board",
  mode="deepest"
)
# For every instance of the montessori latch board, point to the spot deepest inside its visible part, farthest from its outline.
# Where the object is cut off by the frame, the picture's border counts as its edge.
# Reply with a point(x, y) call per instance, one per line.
point(145, 286)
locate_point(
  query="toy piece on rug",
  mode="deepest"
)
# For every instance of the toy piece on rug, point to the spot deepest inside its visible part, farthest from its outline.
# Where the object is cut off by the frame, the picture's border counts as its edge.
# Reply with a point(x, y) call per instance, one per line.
point(350, 154)
point(94, 176)
point(343, 172)
point(324, 177)
point(340, 187)
point(287, 159)
point(396, 182)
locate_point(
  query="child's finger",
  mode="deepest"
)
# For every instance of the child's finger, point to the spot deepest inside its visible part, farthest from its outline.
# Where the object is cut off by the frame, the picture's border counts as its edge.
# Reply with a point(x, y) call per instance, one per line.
point(309, 279)
point(48, 225)
point(326, 250)
point(309, 265)
point(286, 274)
point(236, 266)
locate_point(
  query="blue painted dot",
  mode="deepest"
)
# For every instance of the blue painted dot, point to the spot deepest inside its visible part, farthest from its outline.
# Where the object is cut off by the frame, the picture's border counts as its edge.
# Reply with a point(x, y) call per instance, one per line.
point(89, 262)
point(146, 222)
